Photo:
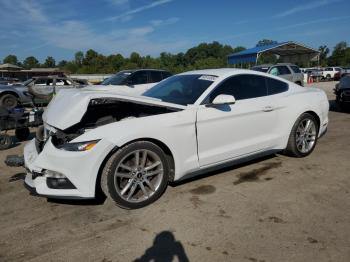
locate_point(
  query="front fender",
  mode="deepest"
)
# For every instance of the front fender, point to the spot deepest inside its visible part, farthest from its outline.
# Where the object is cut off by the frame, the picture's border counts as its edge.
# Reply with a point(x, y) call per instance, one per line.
point(176, 130)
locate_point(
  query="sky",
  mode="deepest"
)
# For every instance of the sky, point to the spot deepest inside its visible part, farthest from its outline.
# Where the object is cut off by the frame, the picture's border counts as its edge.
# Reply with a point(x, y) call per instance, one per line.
point(60, 28)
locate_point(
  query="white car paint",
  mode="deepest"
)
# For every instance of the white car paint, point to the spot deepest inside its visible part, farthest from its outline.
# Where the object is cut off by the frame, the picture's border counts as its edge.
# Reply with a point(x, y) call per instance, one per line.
point(197, 136)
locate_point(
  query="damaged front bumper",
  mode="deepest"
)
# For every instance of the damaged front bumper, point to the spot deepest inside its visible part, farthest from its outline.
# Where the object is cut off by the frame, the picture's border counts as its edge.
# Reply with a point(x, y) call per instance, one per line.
point(57, 173)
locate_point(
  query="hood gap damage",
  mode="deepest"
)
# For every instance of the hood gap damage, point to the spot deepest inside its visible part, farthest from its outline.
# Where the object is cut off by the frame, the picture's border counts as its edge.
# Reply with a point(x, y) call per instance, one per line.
point(103, 111)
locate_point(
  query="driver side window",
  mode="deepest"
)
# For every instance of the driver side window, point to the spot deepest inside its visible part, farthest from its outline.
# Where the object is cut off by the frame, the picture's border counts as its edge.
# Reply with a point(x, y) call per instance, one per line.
point(241, 87)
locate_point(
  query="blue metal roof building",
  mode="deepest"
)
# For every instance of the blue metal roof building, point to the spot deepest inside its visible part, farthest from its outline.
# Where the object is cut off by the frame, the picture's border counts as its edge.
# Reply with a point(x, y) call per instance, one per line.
point(288, 52)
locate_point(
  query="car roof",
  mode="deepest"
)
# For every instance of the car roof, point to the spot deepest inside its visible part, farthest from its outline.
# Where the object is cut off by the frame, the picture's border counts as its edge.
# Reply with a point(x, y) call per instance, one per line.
point(221, 72)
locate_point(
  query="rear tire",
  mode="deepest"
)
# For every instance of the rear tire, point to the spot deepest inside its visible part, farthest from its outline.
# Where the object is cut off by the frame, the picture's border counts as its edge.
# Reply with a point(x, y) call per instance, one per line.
point(129, 179)
point(8, 101)
point(303, 137)
point(5, 141)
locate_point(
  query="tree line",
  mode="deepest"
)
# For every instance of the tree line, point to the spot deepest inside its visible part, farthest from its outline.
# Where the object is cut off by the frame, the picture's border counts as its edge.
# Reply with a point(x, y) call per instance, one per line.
point(202, 56)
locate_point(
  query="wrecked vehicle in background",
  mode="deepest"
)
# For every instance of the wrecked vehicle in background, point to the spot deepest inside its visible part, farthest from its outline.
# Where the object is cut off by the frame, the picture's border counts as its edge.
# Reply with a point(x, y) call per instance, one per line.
point(134, 82)
point(37, 90)
point(133, 146)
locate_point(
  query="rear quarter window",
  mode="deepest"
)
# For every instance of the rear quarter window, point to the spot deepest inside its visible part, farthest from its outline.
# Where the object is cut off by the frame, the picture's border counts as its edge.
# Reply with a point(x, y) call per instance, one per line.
point(283, 70)
point(275, 86)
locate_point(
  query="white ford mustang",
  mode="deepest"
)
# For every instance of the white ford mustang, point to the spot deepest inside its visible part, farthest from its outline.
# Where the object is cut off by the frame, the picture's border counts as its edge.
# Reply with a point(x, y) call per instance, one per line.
point(133, 146)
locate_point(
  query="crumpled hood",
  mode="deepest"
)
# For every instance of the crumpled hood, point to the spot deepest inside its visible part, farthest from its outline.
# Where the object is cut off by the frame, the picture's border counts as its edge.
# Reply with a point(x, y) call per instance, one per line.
point(69, 105)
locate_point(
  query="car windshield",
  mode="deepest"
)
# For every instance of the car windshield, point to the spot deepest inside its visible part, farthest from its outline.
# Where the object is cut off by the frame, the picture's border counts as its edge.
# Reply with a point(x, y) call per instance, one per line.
point(261, 69)
point(27, 82)
point(117, 79)
point(181, 89)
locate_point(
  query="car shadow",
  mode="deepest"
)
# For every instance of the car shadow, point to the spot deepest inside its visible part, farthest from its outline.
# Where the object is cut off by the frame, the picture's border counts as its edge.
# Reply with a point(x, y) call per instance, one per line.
point(164, 249)
point(222, 169)
point(97, 201)
point(17, 177)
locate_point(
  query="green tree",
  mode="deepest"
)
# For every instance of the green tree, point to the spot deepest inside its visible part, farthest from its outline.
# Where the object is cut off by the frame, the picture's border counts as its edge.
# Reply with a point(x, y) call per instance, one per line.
point(135, 58)
point(340, 55)
point(11, 59)
point(324, 51)
point(31, 62)
point(79, 57)
point(50, 62)
point(90, 57)
point(61, 64)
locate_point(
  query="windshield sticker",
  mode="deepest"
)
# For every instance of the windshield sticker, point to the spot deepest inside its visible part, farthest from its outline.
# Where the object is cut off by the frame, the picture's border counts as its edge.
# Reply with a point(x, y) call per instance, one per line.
point(208, 77)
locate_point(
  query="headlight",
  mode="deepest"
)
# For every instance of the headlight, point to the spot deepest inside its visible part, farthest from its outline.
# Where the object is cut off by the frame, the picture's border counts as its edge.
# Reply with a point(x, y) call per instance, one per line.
point(81, 146)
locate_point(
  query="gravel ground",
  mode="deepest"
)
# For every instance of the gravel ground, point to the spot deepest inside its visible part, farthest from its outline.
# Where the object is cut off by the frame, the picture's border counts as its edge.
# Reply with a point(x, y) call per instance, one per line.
point(273, 209)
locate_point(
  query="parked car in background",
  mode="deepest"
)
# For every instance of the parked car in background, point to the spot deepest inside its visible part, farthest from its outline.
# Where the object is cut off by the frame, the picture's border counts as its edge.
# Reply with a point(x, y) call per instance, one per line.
point(133, 146)
point(287, 71)
point(345, 71)
point(8, 80)
point(315, 73)
point(329, 72)
point(342, 92)
point(37, 90)
point(12, 95)
point(132, 81)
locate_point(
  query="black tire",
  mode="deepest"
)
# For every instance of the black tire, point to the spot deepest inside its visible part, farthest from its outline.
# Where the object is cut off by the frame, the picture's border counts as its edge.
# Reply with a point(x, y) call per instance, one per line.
point(292, 148)
point(22, 133)
point(328, 77)
point(108, 174)
point(5, 141)
point(8, 101)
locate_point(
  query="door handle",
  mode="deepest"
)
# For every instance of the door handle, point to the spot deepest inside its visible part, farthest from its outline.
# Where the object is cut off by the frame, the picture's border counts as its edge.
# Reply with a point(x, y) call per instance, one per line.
point(268, 109)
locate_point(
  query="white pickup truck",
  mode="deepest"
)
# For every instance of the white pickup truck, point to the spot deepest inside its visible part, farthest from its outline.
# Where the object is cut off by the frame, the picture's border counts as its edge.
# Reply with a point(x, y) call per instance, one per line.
point(329, 72)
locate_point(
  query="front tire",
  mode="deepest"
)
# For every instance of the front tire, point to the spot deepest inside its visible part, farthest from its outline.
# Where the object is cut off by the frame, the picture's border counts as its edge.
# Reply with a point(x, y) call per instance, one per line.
point(136, 175)
point(5, 141)
point(303, 137)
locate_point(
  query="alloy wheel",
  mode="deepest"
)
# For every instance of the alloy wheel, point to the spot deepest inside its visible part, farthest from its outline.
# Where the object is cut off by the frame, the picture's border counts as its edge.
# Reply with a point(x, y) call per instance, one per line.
point(138, 175)
point(306, 135)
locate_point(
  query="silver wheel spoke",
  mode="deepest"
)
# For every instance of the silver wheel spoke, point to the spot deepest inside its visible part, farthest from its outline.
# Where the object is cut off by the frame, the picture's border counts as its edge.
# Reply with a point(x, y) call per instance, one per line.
point(307, 125)
point(150, 185)
point(299, 142)
point(152, 173)
point(144, 158)
point(137, 158)
point(303, 146)
point(125, 167)
point(123, 175)
point(144, 190)
point(132, 190)
point(152, 166)
point(126, 187)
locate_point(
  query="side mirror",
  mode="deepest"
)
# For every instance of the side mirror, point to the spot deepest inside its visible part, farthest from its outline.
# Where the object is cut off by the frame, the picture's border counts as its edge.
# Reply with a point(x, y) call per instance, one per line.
point(224, 100)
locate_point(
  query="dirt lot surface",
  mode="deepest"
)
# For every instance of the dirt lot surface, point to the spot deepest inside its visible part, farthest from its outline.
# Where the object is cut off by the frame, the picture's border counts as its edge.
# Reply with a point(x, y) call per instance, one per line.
point(274, 209)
